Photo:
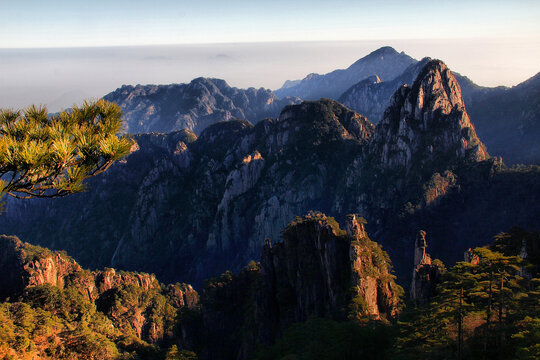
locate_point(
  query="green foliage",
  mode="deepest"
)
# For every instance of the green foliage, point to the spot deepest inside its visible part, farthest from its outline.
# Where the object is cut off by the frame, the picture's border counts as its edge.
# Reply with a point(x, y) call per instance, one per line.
point(527, 338)
point(62, 323)
point(48, 156)
point(34, 252)
point(484, 309)
point(357, 306)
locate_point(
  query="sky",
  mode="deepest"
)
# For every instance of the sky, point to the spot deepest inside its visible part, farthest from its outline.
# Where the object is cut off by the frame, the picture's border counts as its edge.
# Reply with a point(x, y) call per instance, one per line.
point(61, 51)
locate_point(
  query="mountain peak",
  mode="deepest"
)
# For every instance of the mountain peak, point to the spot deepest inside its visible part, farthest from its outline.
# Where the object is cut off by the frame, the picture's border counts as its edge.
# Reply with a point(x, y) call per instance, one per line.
point(383, 51)
point(427, 122)
point(436, 81)
point(328, 118)
point(388, 56)
point(385, 62)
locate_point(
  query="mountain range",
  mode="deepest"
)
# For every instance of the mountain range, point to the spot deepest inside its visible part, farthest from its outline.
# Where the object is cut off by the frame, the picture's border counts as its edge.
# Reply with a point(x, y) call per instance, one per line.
point(187, 207)
point(241, 194)
point(193, 106)
point(385, 62)
point(505, 118)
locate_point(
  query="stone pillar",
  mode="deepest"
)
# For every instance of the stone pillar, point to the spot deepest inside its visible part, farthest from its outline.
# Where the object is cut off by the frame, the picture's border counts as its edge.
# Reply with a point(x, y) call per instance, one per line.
point(425, 275)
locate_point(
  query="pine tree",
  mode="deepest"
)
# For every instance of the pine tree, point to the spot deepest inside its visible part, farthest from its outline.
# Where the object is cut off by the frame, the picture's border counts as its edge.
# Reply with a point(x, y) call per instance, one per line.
point(50, 156)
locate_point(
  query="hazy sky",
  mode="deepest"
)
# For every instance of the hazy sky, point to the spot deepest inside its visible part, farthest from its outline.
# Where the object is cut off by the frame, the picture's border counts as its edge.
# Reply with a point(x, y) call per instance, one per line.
point(58, 23)
point(58, 52)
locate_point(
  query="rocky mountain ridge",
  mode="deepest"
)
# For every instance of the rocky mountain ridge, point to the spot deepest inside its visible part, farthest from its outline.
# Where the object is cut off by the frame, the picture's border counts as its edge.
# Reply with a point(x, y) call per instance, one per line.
point(193, 106)
point(496, 112)
point(371, 98)
point(509, 121)
point(385, 62)
point(425, 123)
point(506, 118)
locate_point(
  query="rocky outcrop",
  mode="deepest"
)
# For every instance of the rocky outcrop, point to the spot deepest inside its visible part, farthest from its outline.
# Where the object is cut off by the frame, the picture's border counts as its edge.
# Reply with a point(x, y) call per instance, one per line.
point(425, 123)
point(26, 266)
point(314, 269)
point(385, 62)
point(317, 270)
point(371, 275)
point(193, 106)
point(372, 95)
point(426, 275)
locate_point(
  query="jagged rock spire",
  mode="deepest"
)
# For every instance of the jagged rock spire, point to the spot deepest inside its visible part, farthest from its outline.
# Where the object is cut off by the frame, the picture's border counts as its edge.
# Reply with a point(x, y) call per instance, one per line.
point(426, 275)
point(427, 123)
point(420, 255)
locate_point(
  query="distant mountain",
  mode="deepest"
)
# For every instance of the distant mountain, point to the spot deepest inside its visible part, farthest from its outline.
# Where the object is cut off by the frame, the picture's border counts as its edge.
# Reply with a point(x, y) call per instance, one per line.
point(193, 106)
point(371, 96)
point(385, 62)
point(187, 207)
point(506, 119)
point(509, 121)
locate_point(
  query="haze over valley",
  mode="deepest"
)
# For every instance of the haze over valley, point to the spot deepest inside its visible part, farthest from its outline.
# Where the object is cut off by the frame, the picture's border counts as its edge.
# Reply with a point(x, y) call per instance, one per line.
point(60, 77)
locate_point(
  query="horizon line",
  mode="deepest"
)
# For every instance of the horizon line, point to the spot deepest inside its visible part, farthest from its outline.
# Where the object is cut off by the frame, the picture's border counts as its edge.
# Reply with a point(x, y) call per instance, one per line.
point(102, 46)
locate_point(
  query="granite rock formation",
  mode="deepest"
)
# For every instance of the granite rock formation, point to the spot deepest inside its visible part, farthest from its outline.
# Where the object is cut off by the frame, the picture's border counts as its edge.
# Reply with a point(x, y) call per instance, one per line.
point(372, 95)
point(426, 275)
point(425, 123)
point(317, 270)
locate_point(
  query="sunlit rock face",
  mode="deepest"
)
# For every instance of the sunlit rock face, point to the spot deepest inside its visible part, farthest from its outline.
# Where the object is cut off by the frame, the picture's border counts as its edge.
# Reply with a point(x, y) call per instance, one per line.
point(317, 270)
point(427, 122)
point(26, 266)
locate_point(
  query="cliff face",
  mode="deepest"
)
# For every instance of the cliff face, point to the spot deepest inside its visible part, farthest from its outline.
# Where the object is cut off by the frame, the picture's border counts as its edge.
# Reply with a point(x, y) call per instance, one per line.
point(193, 106)
point(372, 96)
point(318, 270)
point(426, 123)
point(321, 270)
point(26, 266)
